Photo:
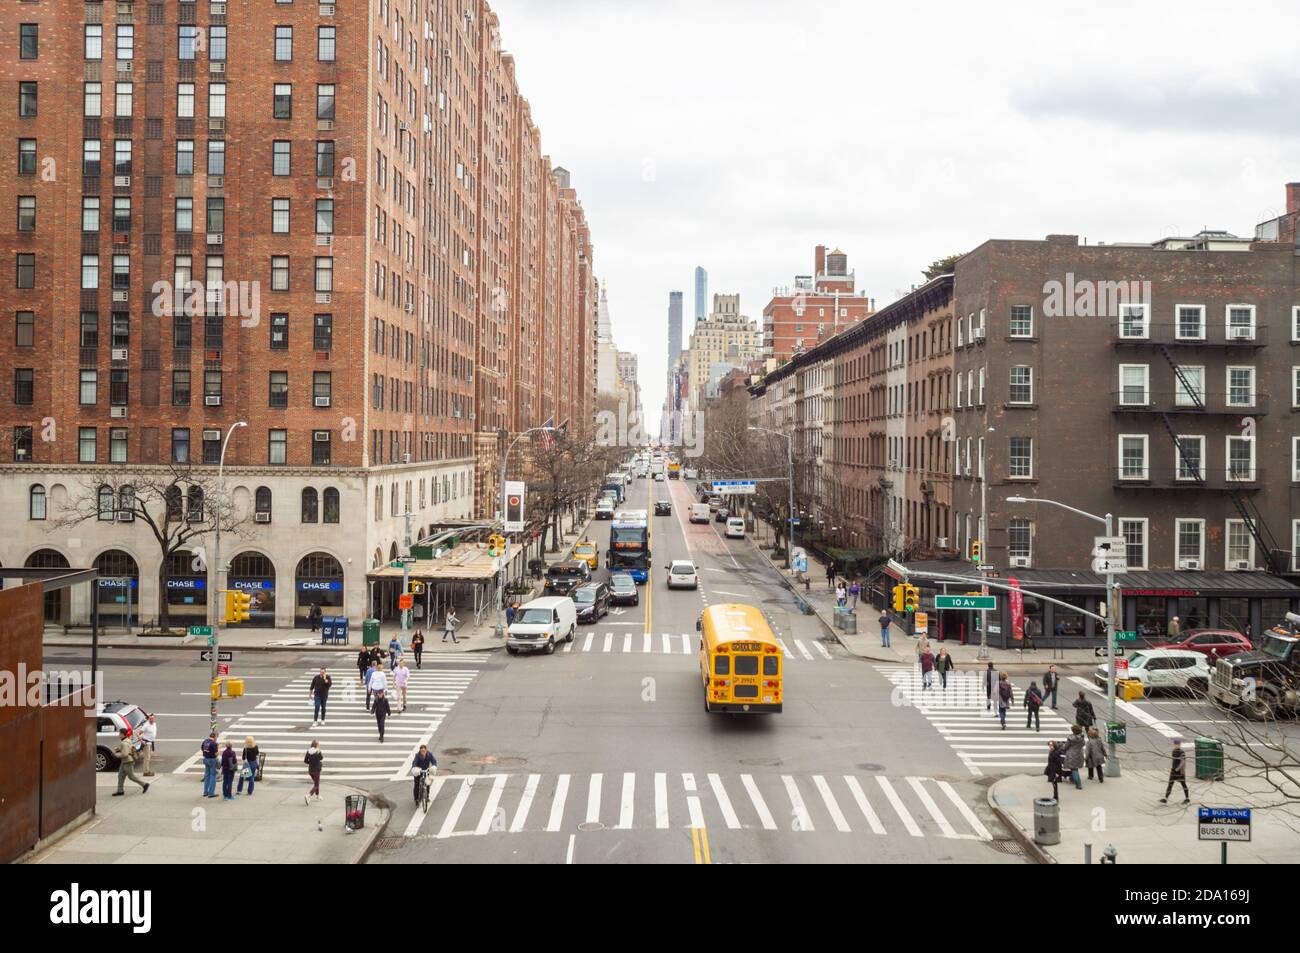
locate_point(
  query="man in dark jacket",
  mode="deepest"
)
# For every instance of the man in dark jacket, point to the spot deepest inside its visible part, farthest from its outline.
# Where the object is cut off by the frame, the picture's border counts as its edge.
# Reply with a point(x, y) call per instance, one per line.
point(209, 751)
point(1051, 682)
point(1177, 772)
point(320, 693)
point(1084, 716)
point(382, 711)
point(425, 761)
point(1074, 754)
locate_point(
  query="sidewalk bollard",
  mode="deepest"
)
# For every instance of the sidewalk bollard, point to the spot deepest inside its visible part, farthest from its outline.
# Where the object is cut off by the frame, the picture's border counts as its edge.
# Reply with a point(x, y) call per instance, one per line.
point(1047, 821)
point(1087, 854)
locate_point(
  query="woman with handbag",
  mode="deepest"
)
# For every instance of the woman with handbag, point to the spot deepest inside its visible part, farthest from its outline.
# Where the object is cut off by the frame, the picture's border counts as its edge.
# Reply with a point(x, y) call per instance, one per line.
point(249, 771)
point(313, 759)
point(229, 767)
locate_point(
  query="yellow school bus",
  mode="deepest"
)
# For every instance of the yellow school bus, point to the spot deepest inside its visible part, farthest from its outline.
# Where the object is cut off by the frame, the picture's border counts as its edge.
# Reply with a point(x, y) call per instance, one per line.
point(740, 660)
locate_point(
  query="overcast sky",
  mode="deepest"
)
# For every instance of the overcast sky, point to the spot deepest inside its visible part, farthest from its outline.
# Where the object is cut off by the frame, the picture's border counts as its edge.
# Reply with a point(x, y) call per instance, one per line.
point(738, 134)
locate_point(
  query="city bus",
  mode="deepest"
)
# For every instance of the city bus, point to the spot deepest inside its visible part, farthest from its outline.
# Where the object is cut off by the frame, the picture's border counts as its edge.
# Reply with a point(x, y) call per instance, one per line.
point(629, 547)
point(740, 660)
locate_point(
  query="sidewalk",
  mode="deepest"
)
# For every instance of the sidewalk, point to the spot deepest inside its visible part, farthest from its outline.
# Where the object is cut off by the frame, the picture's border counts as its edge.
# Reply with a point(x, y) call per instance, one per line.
point(163, 826)
point(1142, 830)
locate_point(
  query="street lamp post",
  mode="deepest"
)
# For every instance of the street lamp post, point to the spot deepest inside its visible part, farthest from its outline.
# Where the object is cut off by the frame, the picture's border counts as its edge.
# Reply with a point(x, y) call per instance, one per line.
point(215, 593)
point(789, 462)
point(1112, 614)
point(984, 547)
point(499, 631)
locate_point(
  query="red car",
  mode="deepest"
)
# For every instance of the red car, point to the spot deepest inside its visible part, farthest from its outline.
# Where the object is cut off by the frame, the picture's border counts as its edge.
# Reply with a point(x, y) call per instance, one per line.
point(1212, 643)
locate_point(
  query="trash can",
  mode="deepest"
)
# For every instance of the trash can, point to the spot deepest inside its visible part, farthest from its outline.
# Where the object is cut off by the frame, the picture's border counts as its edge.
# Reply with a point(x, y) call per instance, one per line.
point(1047, 821)
point(370, 632)
point(849, 623)
point(1209, 759)
point(354, 812)
point(841, 617)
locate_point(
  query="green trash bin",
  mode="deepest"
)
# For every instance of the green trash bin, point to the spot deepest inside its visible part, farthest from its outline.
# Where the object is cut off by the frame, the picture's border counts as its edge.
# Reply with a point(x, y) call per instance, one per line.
point(370, 632)
point(1209, 759)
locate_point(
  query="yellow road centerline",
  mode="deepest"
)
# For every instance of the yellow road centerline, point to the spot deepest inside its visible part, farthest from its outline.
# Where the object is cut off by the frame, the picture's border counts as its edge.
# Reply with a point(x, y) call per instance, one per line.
point(649, 572)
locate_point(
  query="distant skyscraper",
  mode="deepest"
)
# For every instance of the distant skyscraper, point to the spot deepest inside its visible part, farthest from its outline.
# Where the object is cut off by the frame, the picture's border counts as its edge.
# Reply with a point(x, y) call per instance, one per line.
point(674, 327)
point(701, 293)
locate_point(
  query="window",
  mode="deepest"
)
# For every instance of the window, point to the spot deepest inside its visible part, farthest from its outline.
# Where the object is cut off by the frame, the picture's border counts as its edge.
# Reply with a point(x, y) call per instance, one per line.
point(90, 329)
point(86, 444)
point(279, 389)
point(262, 501)
point(1189, 390)
point(24, 385)
point(283, 44)
point(217, 101)
point(324, 275)
point(184, 100)
point(123, 94)
point(1133, 385)
point(180, 388)
point(282, 101)
point(121, 214)
point(1239, 546)
point(36, 502)
point(1022, 321)
point(1022, 385)
point(211, 447)
point(1133, 321)
point(121, 271)
point(184, 156)
point(325, 37)
point(89, 389)
point(331, 501)
point(90, 155)
point(280, 157)
point(1241, 386)
point(216, 215)
point(216, 157)
point(279, 332)
point(981, 387)
point(323, 332)
point(105, 503)
point(1019, 537)
point(22, 440)
point(26, 156)
point(324, 159)
point(1135, 542)
point(125, 41)
point(122, 157)
point(1240, 457)
point(26, 213)
point(185, 42)
point(180, 445)
point(324, 216)
point(217, 43)
point(277, 445)
point(1240, 322)
point(320, 448)
point(184, 215)
point(1133, 457)
point(25, 329)
point(310, 505)
point(1189, 542)
point(279, 272)
point(94, 43)
point(1189, 457)
point(324, 100)
point(1021, 458)
point(212, 387)
point(119, 388)
point(27, 99)
point(194, 502)
point(28, 41)
point(320, 388)
point(1295, 311)
point(1190, 322)
point(280, 216)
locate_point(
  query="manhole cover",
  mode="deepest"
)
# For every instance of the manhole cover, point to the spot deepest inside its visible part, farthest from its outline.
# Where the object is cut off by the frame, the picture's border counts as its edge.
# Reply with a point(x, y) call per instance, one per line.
point(455, 751)
point(389, 843)
point(1007, 847)
point(762, 762)
point(871, 767)
point(588, 826)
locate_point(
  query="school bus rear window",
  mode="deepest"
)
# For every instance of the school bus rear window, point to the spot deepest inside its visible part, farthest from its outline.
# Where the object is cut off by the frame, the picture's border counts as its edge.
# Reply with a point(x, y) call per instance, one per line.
point(722, 665)
point(770, 665)
point(746, 664)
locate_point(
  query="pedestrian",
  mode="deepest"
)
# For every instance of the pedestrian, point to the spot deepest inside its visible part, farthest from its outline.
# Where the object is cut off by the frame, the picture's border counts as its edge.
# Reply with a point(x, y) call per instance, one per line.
point(417, 646)
point(125, 753)
point(1051, 683)
point(990, 683)
point(369, 677)
point(1074, 754)
point(209, 751)
point(1177, 772)
point(449, 624)
point(313, 759)
point(229, 766)
point(1030, 630)
point(884, 629)
point(1006, 698)
point(841, 595)
point(830, 576)
point(424, 761)
point(927, 670)
point(400, 676)
point(148, 741)
point(363, 665)
point(510, 615)
point(314, 616)
point(1060, 634)
point(855, 590)
point(1033, 702)
point(1055, 768)
point(320, 694)
point(249, 771)
point(382, 711)
point(1096, 756)
point(1084, 716)
point(943, 664)
point(1174, 629)
point(394, 652)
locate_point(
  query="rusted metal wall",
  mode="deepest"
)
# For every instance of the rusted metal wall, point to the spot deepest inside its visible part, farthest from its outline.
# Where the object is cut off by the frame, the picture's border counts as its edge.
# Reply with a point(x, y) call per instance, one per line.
point(67, 760)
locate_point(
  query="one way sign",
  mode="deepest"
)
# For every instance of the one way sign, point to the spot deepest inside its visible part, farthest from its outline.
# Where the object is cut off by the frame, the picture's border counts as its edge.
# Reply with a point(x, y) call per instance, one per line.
point(222, 656)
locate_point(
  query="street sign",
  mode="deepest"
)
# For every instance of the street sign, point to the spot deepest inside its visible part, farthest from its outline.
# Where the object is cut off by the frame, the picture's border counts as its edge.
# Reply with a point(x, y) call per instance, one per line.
point(1100, 652)
point(514, 515)
point(223, 655)
point(212, 640)
point(223, 669)
point(744, 487)
point(1126, 636)
point(965, 602)
point(1116, 564)
point(1223, 823)
point(1121, 665)
point(200, 630)
point(405, 601)
point(1109, 554)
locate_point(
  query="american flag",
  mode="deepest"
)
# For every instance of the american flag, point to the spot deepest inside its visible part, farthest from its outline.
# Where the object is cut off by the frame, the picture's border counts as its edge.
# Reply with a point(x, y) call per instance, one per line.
point(547, 440)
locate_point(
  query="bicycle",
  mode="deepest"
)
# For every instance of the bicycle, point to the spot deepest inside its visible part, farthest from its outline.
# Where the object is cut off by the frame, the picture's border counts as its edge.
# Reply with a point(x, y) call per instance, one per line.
point(425, 787)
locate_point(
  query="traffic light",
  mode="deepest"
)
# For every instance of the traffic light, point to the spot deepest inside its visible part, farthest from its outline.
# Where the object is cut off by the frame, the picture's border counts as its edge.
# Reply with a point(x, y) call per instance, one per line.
point(899, 601)
point(238, 605)
point(976, 550)
point(416, 588)
point(911, 598)
point(496, 545)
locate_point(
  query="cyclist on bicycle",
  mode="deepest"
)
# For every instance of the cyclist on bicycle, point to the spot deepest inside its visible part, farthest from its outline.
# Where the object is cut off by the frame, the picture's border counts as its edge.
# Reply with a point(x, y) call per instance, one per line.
point(424, 761)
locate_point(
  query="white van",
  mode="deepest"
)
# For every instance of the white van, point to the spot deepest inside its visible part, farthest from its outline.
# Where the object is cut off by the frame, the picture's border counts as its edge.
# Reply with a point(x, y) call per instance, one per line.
point(735, 528)
point(540, 624)
point(700, 512)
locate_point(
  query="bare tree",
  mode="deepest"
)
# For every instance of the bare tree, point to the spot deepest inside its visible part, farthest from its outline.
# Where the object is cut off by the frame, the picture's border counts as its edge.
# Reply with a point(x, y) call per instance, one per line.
point(179, 504)
point(563, 473)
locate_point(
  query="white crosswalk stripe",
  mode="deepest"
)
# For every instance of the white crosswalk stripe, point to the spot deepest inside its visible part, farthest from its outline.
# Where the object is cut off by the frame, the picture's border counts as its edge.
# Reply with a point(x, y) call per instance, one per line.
point(961, 715)
point(610, 643)
point(282, 725)
point(476, 805)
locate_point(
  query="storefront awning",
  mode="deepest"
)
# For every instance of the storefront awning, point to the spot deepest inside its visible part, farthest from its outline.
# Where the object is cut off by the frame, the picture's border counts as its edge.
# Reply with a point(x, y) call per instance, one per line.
point(468, 563)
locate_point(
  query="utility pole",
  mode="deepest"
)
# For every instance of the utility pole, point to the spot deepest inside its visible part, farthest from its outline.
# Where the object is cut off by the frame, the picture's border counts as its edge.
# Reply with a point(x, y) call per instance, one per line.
point(1112, 613)
point(983, 531)
point(219, 591)
point(406, 571)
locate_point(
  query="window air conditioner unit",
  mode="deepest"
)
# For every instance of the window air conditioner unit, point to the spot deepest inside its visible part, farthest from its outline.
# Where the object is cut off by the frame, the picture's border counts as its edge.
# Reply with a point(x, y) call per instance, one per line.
point(977, 334)
point(261, 517)
point(1189, 564)
point(322, 437)
point(121, 181)
point(218, 66)
point(212, 401)
point(1021, 561)
point(125, 516)
point(216, 238)
point(322, 401)
point(1242, 334)
point(119, 354)
point(121, 296)
point(941, 542)
point(406, 458)
point(322, 297)
point(324, 125)
point(218, 9)
point(125, 66)
point(216, 125)
point(1241, 564)
point(327, 9)
point(325, 183)
point(216, 181)
point(117, 412)
point(325, 240)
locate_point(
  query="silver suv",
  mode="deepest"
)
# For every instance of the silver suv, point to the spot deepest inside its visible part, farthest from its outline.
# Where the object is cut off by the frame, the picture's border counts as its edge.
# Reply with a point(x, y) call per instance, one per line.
point(110, 719)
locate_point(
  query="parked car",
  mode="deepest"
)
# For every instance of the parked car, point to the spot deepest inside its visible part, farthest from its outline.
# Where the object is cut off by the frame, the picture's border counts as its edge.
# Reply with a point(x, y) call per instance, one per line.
point(689, 473)
point(1164, 670)
point(735, 527)
point(540, 624)
point(623, 590)
point(682, 575)
point(605, 509)
point(1212, 643)
point(714, 503)
point(722, 515)
point(699, 513)
point(587, 551)
point(563, 578)
point(663, 508)
point(592, 601)
point(110, 719)
point(659, 476)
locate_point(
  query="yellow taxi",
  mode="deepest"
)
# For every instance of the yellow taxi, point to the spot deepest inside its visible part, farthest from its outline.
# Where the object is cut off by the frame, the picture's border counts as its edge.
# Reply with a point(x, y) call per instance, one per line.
point(585, 551)
point(740, 661)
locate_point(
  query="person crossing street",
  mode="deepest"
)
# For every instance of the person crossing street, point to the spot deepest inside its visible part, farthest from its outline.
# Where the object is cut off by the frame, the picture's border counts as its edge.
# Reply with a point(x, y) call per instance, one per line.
point(1177, 773)
point(125, 753)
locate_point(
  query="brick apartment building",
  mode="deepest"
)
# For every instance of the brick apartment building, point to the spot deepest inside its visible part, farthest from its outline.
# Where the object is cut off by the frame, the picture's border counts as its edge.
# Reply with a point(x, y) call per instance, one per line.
point(404, 275)
point(815, 308)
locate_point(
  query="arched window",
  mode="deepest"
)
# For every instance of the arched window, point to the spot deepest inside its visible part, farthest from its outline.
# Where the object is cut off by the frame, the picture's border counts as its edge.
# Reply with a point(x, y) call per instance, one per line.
point(36, 502)
point(310, 505)
point(126, 500)
point(408, 496)
point(105, 501)
point(331, 501)
point(392, 552)
point(262, 503)
point(174, 498)
point(379, 503)
point(392, 501)
point(194, 504)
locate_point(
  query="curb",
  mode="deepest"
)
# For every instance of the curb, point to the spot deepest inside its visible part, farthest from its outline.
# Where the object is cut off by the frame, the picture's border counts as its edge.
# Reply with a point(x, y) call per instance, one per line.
point(313, 647)
point(1018, 833)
